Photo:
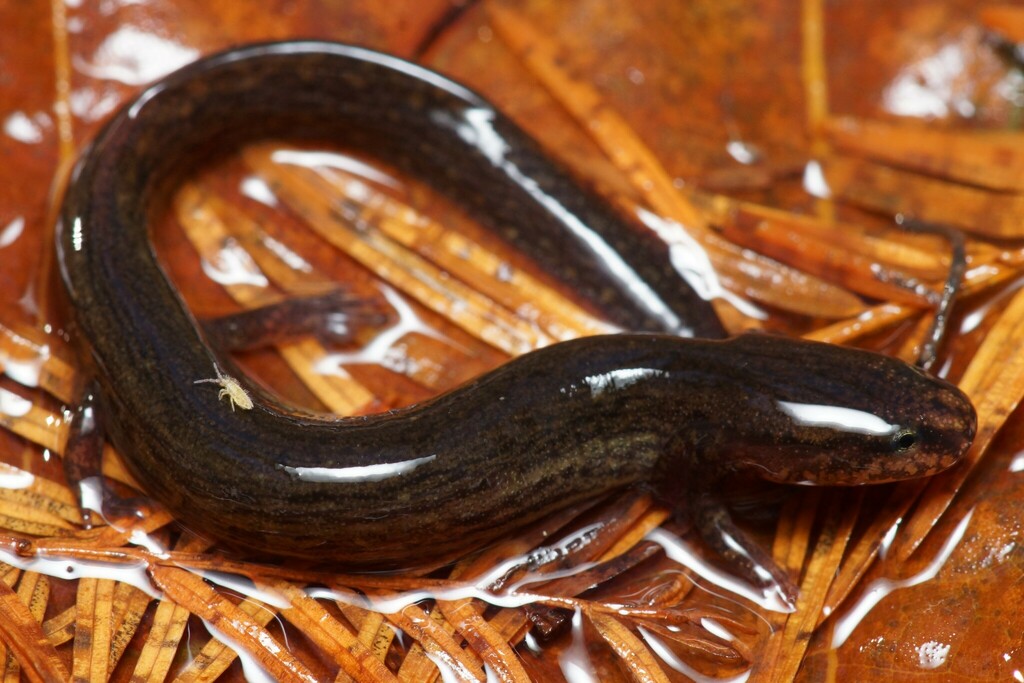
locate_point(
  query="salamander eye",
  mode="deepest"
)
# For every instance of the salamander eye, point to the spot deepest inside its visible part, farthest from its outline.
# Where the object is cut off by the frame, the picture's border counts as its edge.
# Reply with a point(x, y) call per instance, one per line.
point(904, 440)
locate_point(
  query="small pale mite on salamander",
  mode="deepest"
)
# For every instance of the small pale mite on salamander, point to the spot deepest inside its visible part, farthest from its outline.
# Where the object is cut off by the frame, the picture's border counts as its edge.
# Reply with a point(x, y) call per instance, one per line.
point(436, 480)
point(231, 389)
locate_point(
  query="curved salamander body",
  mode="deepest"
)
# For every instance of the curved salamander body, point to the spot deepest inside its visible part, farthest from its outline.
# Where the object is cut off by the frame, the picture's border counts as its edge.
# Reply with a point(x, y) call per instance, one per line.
point(548, 429)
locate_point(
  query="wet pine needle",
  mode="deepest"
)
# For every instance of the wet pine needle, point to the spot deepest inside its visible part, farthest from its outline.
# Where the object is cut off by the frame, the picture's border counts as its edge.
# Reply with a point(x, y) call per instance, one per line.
point(482, 309)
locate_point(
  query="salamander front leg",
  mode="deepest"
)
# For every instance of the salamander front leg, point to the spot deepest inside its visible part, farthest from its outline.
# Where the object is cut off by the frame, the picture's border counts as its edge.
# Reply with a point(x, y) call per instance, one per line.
point(714, 523)
point(333, 318)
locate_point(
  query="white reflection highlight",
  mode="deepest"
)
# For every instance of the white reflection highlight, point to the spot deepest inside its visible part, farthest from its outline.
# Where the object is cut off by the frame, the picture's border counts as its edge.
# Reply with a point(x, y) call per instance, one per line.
point(691, 261)
point(382, 349)
point(12, 231)
point(342, 162)
point(251, 667)
point(574, 661)
point(932, 87)
point(135, 57)
point(743, 152)
point(23, 128)
point(246, 587)
point(880, 588)
point(90, 492)
point(143, 540)
point(90, 104)
point(258, 189)
point(290, 258)
point(888, 538)
point(76, 234)
point(13, 478)
point(25, 371)
point(620, 379)
point(377, 472)
point(971, 321)
point(442, 661)
point(140, 102)
point(1017, 464)
point(836, 417)
point(452, 670)
point(13, 405)
point(132, 573)
point(395, 63)
point(673, 660)
point(676, 549)
point(476, 128)
point(400, 601)
point(544, 556)
point(712, 626)
point(815, 183)
point(233, 265)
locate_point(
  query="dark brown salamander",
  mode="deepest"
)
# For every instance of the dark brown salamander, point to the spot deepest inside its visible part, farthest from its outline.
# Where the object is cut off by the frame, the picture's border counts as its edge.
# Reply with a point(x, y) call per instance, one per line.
point(548, 429)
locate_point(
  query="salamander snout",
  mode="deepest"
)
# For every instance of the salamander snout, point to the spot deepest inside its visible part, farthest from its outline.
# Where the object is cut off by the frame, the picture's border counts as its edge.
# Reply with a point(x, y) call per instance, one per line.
point(924, 436)
point(838, 416)
point(944, 434)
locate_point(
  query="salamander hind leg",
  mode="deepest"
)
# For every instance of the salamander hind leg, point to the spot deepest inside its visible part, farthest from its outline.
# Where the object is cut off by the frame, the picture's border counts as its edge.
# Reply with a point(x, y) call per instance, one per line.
point(83, 464)
point(83, 454)
point(333, 318)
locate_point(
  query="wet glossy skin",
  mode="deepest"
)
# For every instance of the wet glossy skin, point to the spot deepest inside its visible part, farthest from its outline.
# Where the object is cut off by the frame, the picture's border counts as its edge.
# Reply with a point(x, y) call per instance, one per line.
point(546, 430)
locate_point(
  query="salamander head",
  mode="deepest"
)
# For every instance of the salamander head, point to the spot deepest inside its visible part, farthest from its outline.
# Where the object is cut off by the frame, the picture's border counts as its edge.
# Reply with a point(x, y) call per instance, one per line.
point(831, 415)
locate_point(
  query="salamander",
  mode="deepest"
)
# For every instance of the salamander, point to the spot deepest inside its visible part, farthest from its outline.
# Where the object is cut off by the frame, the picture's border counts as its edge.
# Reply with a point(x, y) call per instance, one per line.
point(671, 405)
